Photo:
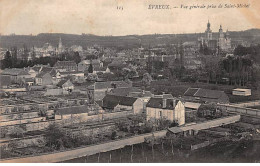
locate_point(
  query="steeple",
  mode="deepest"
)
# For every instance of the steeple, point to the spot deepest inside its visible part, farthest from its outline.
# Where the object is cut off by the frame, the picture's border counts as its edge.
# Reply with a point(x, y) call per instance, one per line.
point(208, 32)
point(208, 25)
point(60, 47)
point(221, 34)
point(220, 28)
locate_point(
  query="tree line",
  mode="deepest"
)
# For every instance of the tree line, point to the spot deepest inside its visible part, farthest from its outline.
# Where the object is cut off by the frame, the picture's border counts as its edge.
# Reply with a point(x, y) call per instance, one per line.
point(11, 59)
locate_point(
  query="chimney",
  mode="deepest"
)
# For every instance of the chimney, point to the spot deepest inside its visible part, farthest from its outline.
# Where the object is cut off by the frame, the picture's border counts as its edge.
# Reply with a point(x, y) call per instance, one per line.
point(164, 103)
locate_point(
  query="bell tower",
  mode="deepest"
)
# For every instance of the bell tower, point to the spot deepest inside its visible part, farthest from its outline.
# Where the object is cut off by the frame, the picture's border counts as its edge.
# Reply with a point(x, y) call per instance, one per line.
point(208, 32)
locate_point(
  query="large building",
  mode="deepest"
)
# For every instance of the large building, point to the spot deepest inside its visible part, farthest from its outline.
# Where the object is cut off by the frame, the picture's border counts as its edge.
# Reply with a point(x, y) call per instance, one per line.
point(220, 42)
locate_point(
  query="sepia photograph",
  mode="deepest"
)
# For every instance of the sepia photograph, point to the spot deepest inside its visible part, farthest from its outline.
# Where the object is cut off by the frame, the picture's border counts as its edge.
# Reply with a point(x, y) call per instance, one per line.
point(129, 81)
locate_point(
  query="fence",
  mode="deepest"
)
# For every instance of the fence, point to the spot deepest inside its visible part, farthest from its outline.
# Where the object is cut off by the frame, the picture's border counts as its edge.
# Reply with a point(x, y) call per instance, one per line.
point(238, 109)
point(40, 123)
point(207, 124)
point(84, 151)
point(247, 104)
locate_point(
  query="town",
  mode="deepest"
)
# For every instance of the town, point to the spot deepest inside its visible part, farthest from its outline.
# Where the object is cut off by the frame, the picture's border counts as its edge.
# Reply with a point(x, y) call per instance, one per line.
point(173, 94)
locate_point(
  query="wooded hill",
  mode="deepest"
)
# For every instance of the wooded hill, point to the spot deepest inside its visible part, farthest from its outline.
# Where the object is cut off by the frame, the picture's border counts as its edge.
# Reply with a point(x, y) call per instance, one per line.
point(130, 41)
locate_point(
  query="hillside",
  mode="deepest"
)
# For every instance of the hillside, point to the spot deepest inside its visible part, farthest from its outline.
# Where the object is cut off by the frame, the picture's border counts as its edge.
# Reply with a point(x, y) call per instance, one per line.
point(130, 41)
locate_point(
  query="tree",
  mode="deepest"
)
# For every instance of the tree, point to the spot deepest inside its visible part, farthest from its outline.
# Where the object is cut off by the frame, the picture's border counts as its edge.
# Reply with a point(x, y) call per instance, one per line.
point(7, 61)
point(58, 138)
point(55, 137)
point(76, 57)
point(90, 68)
point(147, 79)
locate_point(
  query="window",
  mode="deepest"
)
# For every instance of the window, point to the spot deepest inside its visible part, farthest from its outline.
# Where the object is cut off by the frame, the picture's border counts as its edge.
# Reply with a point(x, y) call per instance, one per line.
point(160, 113)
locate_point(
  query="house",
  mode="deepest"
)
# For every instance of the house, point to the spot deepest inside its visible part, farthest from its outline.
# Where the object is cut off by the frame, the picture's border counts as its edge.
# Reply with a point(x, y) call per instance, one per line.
point(66, 66)
point(205, 95)
point(123, 103)
point(66, 85)
point(169, 109)
point(191, 109)
point(143, 95)
point(33, 71)
point(15, 74)
point(43, 79)
point(241, 92)
point(100, 89)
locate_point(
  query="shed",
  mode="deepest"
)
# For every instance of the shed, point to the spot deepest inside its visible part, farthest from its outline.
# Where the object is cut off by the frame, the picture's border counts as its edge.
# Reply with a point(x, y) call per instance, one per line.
point(241, 92)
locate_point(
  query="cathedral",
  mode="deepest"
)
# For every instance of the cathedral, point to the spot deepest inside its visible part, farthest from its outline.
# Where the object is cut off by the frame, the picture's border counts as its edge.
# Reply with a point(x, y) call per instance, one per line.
point(221, 42)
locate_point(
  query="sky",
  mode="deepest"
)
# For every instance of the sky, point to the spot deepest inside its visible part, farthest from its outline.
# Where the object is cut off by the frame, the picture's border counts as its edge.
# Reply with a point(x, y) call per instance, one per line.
point(101, 17)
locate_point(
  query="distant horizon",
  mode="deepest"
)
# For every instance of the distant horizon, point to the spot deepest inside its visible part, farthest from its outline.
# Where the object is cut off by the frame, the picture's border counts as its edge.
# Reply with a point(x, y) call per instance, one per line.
point(14, 34)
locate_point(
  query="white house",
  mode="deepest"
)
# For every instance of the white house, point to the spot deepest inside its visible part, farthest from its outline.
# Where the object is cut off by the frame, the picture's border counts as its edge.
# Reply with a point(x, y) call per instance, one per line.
point(169, 109)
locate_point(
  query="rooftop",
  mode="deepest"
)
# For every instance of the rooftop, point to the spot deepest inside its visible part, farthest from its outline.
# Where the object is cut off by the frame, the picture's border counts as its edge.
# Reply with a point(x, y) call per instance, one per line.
point(204, 93)
point(158, 103)
point(72, 110)
point(110, 101)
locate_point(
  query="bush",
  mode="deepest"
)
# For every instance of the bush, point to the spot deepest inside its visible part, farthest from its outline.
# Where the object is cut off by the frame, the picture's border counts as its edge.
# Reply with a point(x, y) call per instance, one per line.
point(57, 138)
point(17, 132)
point(113, 135)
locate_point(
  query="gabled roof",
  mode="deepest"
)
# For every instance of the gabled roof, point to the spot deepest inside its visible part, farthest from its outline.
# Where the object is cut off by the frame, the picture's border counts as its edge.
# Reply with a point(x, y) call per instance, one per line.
point(36, 68)
point(46, 69)
point(110, 101)
point(158, 103)
point(62, 82)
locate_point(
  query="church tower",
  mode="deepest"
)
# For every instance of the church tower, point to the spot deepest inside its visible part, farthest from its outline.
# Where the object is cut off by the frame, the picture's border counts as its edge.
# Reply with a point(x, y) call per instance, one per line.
point(208, 32)
point(221, 34)
point(60, 46)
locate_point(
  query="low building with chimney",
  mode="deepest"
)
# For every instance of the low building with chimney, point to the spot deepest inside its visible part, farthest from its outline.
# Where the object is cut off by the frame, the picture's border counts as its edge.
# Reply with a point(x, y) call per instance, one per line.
point(171, 109)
